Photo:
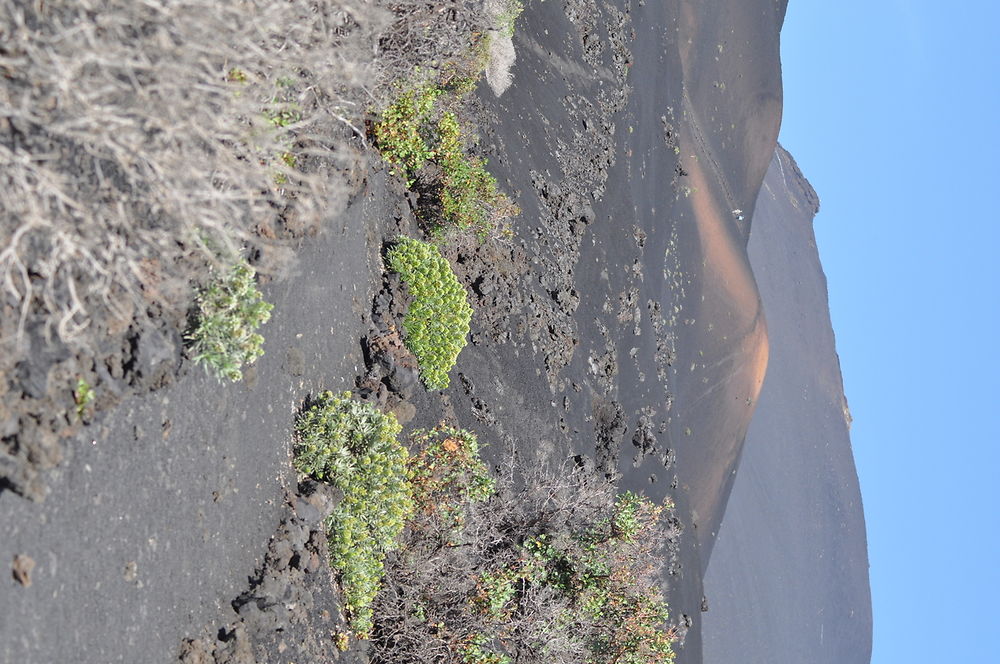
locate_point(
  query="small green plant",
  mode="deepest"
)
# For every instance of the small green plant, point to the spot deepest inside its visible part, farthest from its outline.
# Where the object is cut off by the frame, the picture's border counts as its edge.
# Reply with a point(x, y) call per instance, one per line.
point(469, 195)
point(476, 651)
point(228, 312)
point(412, 132)
point(400, 133)
point(282, 115)
point(437, 321)
point(506, 19)
point(83, 396)
point(236, 75)
point(495, 591)
point(353, 446)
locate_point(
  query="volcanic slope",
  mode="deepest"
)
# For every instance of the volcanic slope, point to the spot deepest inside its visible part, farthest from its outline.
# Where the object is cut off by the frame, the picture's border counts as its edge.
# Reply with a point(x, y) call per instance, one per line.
point(787, 581)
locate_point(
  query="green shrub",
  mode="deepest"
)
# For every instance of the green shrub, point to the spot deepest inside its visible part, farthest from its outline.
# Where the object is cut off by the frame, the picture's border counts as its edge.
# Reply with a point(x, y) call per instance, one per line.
point(353, 446)
point(551, 569)
point(469, 195)
point(446, 474)
point(437, 321)
point(412, 132)
point(476, 650)
point(228, 312)
point(83, 396)
point(400, 133)
point(603, 573)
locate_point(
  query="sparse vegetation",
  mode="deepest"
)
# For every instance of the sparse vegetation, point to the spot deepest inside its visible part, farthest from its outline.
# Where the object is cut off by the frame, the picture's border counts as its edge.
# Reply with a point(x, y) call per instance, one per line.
point(440, 563)
point(511, 9)
point(446, 473)
point(83, 396)
point(437, 320)
point(353, 446)
point(469, 196)
point(421, 127)
point(229, 311)
point(552, 570)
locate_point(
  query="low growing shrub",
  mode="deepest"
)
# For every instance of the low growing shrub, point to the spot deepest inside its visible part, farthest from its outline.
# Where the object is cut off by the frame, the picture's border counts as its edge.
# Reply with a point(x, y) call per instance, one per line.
point(446, 473)
point(228, 312)
point(469, 196)
point(400, 133)
point(353, 446)
point(550, 569)
point(413, 131)
point(437, 321)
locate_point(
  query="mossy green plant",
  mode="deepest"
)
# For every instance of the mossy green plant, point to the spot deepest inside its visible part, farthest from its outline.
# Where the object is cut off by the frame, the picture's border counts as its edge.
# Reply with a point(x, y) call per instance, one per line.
point(353, 446)
point(437, 321)
point(228, 312)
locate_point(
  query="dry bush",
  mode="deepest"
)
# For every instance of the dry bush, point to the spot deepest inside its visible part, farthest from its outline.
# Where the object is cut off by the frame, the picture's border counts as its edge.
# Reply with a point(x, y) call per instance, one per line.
point(427, 34)
point(463, 594)
point(137, 141)
point(141, 142)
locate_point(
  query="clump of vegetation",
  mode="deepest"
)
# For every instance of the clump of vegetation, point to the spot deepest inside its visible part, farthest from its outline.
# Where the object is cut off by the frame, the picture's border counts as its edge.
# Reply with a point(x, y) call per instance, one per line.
point(413, 132)
point(603, 573)
point(469, 195)
point(556, 569)
point(446, 473)
point(229, 311)
point(83, 396)
point(439, 563)
point(511, 9)
point(437, 320)
point(400, 132)
point(353, 446)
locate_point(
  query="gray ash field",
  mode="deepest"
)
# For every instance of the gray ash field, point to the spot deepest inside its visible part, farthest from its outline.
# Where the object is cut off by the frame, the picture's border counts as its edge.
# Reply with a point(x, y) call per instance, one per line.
point(620, 329)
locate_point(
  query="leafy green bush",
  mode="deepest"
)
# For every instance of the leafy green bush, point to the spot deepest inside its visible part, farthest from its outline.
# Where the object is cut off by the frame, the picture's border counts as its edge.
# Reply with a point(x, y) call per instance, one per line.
point(229, 311)
point(399, 134)
point(353, 446)
point(469, 195)
point(412, 132)
point(437, 321)
point(446, 473)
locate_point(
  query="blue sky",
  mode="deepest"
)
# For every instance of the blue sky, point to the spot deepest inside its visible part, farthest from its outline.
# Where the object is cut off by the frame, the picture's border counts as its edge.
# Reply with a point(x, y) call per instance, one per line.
point(891, 110)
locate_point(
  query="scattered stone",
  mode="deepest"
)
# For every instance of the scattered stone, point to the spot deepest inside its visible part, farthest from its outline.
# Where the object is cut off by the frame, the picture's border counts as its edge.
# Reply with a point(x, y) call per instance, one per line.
point(22, 568)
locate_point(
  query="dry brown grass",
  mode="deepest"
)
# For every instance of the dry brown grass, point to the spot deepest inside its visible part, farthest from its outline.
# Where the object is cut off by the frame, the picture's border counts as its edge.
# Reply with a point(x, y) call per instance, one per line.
point(131, 156)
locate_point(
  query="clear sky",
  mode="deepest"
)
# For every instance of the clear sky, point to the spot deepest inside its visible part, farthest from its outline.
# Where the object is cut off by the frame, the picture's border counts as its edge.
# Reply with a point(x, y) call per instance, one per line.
point(891, 110)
